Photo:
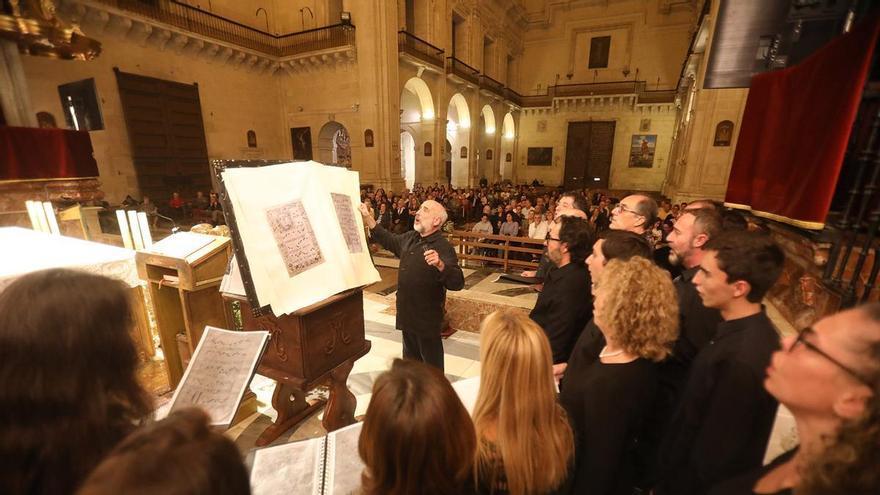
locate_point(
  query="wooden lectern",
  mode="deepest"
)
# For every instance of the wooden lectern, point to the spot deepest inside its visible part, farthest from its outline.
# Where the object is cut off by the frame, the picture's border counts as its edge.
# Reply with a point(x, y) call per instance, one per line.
point(308, 348)
point(186, 297)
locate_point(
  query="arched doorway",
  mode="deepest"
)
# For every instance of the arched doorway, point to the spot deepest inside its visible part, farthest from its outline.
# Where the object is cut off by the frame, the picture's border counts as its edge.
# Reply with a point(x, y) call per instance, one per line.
point(458, 125)
point(486, 140)
point(408, 158)
point(508, 137)
point(417, 118)
point(334, 145)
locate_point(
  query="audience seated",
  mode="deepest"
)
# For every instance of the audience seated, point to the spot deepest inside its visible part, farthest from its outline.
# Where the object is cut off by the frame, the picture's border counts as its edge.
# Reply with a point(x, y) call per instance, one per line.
point(611, 396)
point(69, 389)
point(180, 455)
point(215, 209)
point(525, 443)
point(177, 206)
point(510, 227)
point(417, 435)
point(828, 376)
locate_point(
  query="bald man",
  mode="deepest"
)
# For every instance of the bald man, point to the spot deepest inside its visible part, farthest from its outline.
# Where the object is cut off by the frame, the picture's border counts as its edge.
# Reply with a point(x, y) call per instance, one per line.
point(428, 268)
point(635, 213)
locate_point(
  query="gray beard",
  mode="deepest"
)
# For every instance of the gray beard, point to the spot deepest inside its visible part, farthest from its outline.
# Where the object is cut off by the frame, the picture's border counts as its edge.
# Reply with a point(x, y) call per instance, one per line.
point(418, 227)
point(675, 259)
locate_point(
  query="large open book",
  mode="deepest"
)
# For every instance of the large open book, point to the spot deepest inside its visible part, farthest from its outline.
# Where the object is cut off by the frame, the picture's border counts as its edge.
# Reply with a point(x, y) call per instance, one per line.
point(329, 465)
point(298, 231)
point(219, 373)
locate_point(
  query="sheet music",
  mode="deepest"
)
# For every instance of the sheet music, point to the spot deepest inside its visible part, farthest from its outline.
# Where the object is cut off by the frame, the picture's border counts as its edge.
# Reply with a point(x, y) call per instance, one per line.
point(290, 468)
point(467, 390)
point(344, 464)
point(295, 237)
point(232, 282)
point(219, 372)
point(347, 222)
point(181, 244)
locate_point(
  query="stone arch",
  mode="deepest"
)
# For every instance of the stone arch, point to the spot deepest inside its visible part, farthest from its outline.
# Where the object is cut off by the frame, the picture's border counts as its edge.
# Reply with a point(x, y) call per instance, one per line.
point(462, 111)
point(489, 118)
point(508, 136)
point(334, 145)
point(418, 87)
point(458, 123)
point(508, 128)
point(408, 158)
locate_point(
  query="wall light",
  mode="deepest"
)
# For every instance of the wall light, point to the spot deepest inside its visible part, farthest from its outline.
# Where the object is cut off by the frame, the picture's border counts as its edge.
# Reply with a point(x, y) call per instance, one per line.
point(490, 131)
point(428, 115)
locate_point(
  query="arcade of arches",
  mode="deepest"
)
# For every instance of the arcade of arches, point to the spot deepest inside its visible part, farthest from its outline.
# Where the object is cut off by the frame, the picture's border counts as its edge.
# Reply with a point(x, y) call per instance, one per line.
point(497, 83)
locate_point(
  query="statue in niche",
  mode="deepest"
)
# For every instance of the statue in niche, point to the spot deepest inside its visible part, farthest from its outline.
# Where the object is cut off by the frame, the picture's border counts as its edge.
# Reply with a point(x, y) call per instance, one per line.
point(342, 148)
point(252, 139)
point(368, 138)
point(46, 120)
point(508, 157)
point(464, 151)
point(488, 154)
point(723, 133)
point(429, 150)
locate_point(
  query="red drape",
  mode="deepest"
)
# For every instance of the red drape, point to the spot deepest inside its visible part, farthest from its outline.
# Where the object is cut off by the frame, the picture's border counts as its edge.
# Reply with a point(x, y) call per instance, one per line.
point(795, 129)
point(32, 153)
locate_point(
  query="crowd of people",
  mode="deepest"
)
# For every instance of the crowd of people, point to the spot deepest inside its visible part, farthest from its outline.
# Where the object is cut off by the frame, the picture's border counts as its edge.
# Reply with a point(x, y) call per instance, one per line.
point(669, 372)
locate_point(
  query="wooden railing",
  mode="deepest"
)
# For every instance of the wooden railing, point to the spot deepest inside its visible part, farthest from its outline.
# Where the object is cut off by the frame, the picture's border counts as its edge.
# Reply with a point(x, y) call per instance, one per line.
point(593, 89)
point(189, 18)
point(419, 48)
point(462, 70)
point(496, 249)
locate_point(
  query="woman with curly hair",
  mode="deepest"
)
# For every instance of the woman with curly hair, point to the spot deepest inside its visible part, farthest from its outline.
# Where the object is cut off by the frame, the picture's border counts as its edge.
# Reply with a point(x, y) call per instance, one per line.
point(513, 455)
point(68, 386)
point(610, 398)
point(828, 376)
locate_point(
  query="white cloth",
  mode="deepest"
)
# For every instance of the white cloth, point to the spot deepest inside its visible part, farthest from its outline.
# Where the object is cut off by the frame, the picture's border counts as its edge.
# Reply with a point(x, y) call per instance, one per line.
point(539, 230)
point(23, 251)
point(482, 228)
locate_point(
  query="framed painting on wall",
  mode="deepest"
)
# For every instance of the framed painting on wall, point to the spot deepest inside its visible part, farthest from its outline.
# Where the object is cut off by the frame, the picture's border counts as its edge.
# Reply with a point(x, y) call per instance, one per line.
point(429, 149)
point(641, 151)
point(301, 139)
point(723, 133)
point(539, 157)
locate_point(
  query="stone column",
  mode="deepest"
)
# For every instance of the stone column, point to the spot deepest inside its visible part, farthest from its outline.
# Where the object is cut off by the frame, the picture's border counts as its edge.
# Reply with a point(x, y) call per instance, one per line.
point(15, 98)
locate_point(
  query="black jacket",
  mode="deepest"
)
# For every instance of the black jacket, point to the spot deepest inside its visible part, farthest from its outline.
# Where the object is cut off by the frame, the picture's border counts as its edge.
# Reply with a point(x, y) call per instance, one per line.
point(421, 288)
point(723, 423)
point(564, 307)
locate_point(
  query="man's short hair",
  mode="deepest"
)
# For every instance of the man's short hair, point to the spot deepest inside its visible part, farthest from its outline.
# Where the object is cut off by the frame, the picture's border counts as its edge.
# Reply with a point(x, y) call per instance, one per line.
point(578, 201)
point(647, 208)
point(749, 256)
point(703, 203)
point(623, 245)
point(706, 221)
point(578, 235)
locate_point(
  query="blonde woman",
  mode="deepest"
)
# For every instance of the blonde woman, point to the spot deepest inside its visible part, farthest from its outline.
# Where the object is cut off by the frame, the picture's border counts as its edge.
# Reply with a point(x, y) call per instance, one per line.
point(610, 397)
point(525, 444)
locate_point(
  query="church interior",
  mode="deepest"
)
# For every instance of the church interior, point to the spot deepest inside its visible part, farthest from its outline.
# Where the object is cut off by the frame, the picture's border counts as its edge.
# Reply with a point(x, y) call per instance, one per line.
point(184, 153)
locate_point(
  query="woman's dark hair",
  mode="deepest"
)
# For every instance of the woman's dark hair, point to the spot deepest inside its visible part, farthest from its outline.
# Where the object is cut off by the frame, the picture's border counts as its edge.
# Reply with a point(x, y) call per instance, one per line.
point(68, 385)
point(180, 455)
point(417, 436)
point(623, 245)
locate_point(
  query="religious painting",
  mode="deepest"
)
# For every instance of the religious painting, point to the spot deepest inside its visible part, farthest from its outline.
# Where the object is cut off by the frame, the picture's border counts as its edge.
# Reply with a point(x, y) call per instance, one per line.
point(464, 151)
point(641, 151)
point(301, 139)
point(252, 139)
point(723, 133)
point(368, 138)
point(46, 120)
point(488, 154)
point(599, 48)
point(542, 126)
point(539, 157)
point(80, 103)
point(645, 125)
point(429, 150)
point(508, 157)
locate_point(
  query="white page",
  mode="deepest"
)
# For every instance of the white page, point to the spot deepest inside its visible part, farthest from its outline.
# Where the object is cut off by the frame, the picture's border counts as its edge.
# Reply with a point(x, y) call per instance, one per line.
point(181, 244)
point(219, 373)
point(467, 390)
point(232, 282)
point(255, 192)
point(288, 469)
point(344, 464)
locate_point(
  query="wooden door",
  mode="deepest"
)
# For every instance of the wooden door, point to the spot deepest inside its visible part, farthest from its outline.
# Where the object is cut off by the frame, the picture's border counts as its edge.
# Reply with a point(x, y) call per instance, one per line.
point(167, 136)
point(588, 154)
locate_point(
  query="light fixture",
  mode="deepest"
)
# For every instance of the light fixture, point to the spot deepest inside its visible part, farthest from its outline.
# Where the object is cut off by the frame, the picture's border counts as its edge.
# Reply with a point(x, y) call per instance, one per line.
point(428, 115)
point(345, 18)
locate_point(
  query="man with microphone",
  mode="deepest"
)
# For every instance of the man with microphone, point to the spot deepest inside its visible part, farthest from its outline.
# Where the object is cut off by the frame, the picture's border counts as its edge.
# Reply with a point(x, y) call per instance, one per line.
point(428, 268)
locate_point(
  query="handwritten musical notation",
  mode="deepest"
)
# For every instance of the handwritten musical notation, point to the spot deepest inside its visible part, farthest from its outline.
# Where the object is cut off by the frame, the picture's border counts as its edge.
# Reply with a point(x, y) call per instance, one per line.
point(289, 468)
point(219, 372)
point(347, 222)
point(295, 237)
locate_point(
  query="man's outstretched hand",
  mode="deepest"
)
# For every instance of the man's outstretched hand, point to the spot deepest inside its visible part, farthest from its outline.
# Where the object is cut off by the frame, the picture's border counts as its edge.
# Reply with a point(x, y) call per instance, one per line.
point(369, 221)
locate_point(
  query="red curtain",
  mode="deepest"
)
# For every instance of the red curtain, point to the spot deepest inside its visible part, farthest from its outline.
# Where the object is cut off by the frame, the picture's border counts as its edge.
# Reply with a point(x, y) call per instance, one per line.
point(32, 153)
point(795, 129)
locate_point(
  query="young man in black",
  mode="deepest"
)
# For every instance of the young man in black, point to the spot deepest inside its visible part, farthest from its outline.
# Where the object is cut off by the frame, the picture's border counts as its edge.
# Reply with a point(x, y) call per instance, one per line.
point(725, 416)
point(565, 305)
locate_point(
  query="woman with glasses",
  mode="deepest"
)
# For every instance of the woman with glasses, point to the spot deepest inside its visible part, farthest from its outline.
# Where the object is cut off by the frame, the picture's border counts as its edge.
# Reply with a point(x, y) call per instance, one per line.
point(827, 376)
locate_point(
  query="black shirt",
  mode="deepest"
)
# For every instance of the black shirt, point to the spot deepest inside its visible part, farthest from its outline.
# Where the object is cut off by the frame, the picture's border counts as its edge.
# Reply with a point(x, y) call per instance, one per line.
point(586, 349)
point(421, 288)
point(725, 417)
point(744, 484)
point(564, 306)
point(607, 405)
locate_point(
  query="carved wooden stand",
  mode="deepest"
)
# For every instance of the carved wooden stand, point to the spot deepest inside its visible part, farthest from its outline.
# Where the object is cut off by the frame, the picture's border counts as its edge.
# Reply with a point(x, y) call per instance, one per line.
point(314, 346)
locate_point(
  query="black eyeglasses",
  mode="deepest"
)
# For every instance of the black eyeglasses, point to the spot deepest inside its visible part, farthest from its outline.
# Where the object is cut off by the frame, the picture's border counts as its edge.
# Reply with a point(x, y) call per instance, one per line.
point(624, 209)
point(801, 339)
point(551, 238)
